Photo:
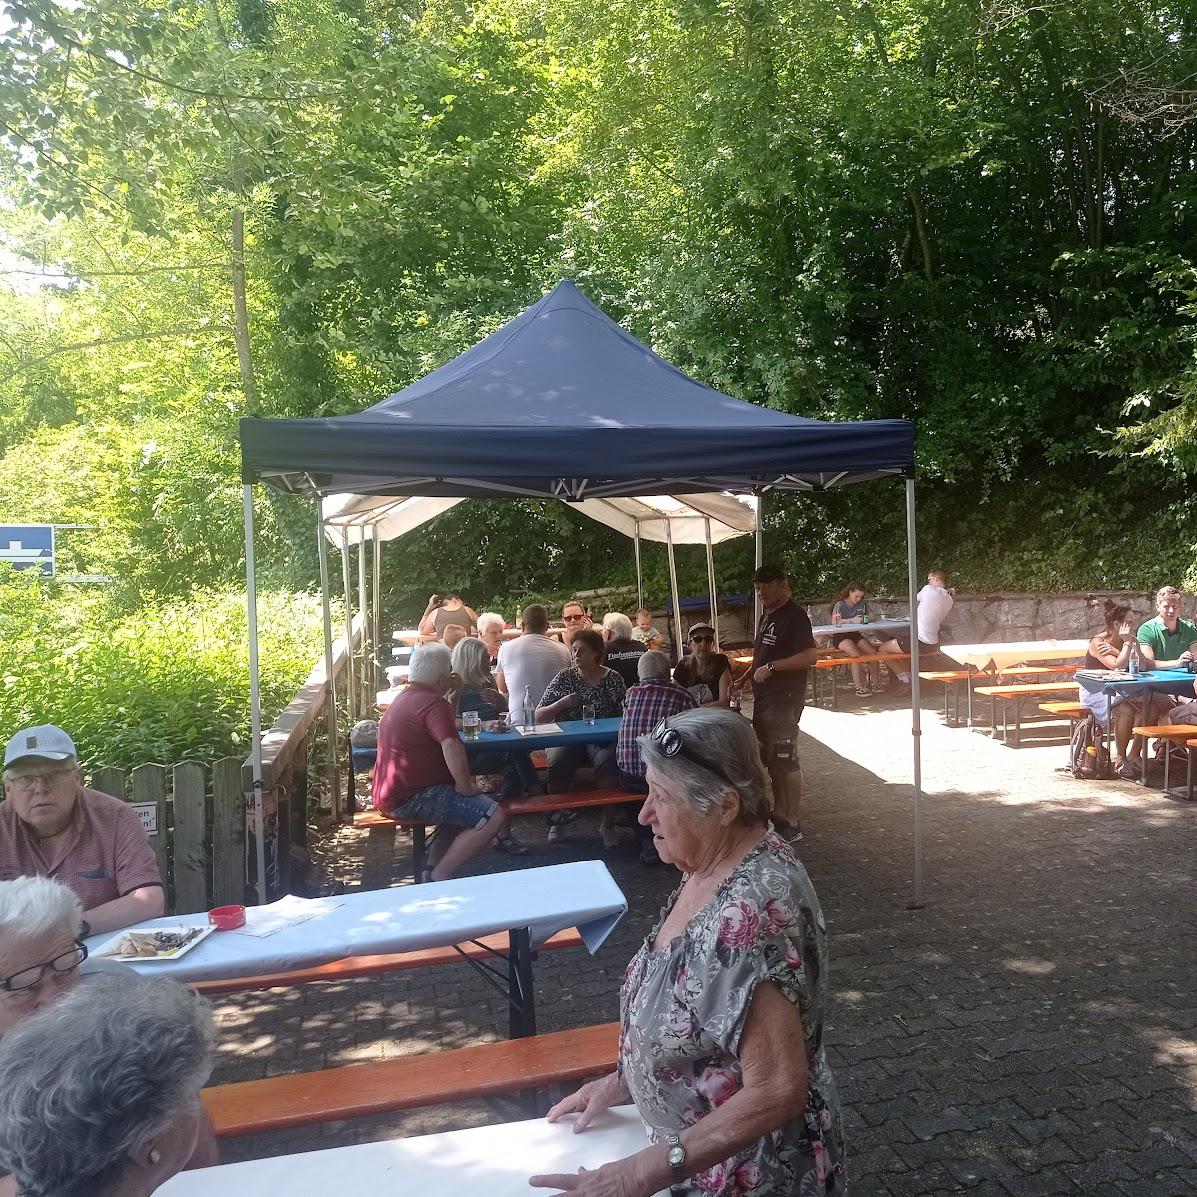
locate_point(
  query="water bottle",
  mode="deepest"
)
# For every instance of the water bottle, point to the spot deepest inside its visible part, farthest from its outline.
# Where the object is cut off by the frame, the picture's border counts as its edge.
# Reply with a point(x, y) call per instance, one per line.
point(529, 710)
point(735, 700)
point(1132, 663)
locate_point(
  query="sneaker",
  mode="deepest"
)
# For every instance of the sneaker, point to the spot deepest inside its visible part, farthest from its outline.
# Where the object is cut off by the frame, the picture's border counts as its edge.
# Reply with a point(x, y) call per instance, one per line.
point(863, 692)
point(1128, 771)
point(559, 818)
point(554, 832)
point(790, 832)
point(880, 687)
point(511, 846)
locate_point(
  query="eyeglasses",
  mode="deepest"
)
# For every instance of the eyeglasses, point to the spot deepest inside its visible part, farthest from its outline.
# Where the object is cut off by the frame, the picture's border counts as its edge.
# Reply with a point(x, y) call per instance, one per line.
point(26, 783)
point(669, 741)
point(29, 978)
point(702, 639)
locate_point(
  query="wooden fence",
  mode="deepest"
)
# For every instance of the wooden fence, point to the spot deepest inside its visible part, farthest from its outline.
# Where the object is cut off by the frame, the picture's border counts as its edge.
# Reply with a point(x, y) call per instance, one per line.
point(196, 815)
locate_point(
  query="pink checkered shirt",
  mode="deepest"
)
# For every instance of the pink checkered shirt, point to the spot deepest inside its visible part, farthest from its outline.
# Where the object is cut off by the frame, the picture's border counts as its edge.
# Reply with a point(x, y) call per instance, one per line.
point(108, 856)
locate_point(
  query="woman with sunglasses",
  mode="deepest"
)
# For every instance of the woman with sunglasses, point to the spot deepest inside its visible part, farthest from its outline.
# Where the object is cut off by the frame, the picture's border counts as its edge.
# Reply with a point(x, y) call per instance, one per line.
point(723, 1007)
point(42, 958)
point(705, 673)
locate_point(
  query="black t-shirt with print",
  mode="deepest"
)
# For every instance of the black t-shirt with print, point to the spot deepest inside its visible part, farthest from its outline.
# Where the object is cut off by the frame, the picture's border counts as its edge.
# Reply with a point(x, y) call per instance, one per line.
point(783, 633)
point(624, 657)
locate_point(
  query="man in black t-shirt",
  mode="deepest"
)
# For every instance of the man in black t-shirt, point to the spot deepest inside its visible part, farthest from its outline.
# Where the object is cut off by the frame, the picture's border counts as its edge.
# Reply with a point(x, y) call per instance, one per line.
point(784, 651)
point(622, 651)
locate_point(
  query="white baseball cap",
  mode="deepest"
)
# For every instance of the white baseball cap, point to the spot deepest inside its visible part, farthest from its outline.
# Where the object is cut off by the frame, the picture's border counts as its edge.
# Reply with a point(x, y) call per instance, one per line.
point(47, 743)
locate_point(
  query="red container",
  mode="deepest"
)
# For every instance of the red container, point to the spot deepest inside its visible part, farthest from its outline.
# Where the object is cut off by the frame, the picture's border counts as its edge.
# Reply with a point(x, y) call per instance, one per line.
point(227, 918)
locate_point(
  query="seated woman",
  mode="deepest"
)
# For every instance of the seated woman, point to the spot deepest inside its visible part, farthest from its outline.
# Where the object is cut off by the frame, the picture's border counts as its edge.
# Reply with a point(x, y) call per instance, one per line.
point(490, 632)
point(705, 673)
point(440, 613)
point(99, 1093)
point(587, 683)
point(853, 608)
point(422, 772)
point(723, 1007)
point(1110, 649)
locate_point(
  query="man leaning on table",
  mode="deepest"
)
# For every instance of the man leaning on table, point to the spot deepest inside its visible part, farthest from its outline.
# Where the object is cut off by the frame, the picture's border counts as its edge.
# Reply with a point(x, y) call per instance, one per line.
point(1168, 641)
point(52, 826)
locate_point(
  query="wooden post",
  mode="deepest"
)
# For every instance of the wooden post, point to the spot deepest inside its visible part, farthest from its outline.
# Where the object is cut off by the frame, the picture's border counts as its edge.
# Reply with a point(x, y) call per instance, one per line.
point(110, 781)
point(149, 786)
point(228, 833)
point(191, 838)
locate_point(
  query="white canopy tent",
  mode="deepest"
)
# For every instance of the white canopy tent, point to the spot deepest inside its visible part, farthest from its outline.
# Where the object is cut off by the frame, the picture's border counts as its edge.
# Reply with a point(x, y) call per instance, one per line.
point(710, 519)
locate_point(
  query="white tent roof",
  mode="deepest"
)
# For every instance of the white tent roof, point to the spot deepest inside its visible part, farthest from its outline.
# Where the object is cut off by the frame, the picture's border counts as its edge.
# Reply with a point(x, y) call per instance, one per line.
point(347, 516)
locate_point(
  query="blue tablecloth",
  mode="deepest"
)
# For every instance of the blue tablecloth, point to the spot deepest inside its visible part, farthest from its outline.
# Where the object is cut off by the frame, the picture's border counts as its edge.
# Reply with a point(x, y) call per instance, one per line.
point(1165, 681)
point(601, 731)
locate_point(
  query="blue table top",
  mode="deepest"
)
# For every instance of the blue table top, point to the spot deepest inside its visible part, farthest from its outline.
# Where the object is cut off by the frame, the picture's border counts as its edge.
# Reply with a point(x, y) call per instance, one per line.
point(1167, 681)
point(601, 731)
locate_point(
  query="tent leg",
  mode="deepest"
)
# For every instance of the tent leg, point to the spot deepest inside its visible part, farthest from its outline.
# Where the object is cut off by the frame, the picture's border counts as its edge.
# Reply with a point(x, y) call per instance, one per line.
point(363, 611)
point(639, 575)
point(759, 560)
point(334, 779)
point(376, 566)
point(678, 634)
point(916, 730)
point(255, 698)
point(711, 582)
point(350, 682)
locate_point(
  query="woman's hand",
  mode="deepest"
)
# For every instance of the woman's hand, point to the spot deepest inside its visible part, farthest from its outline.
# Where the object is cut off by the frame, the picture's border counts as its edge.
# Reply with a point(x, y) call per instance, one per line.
point(569, 703)
point(619, 1179)
point(1124, 629)
point(591, 1100)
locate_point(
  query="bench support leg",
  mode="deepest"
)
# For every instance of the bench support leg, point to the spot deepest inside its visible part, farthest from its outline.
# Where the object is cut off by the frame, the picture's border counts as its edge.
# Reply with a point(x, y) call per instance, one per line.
point(419, 850)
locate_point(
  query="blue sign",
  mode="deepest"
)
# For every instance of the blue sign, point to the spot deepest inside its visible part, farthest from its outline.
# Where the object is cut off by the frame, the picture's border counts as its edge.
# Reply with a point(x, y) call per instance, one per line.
point(28, 546)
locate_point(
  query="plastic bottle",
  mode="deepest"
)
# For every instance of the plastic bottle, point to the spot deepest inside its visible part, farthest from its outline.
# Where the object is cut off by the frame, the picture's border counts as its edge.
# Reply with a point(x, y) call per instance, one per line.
point(529, 710)
point(1132, 661)
point(735, 700)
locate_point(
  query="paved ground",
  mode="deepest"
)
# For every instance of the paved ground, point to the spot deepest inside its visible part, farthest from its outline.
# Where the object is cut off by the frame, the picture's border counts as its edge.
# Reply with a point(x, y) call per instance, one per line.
point(1032, 1030)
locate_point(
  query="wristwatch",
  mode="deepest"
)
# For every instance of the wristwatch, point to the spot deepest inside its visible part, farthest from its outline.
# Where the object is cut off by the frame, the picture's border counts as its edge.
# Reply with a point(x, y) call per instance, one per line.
point(676, 1157)
point(769, 667)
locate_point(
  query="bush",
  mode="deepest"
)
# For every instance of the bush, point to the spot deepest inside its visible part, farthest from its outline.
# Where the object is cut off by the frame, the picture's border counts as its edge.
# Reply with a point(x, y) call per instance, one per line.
point(164, 684)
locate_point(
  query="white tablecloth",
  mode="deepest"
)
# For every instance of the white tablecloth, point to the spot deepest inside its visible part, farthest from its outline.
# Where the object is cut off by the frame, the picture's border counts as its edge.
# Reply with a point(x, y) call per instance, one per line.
point(1001, 656)
point(377, 922)
point(491, 1160)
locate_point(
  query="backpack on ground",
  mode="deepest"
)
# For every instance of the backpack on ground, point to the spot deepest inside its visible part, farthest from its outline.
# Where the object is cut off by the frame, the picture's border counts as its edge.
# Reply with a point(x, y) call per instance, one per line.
point(1088, 756)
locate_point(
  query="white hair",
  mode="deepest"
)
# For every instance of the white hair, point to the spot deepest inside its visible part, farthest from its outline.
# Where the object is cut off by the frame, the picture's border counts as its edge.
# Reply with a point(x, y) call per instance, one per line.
point(620, 626)
point(430, 666)
point(652, 665)
point(471, 663)
point(727, 743)
point(36, 908)
point(488, 619)
point(97, 1075)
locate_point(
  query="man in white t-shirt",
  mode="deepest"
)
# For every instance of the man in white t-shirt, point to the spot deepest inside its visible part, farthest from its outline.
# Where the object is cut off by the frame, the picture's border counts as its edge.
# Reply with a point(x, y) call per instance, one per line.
point(935, 601)
point(531, 660)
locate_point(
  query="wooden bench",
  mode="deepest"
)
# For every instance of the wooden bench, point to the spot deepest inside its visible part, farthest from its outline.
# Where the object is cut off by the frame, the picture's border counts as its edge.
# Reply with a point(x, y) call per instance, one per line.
point(542, 804)
point(825, 664)
point(406, 1083)
point(1072, 711)
point(1036, 670)
point(1178, 734)
point(1014, 696)
point(949, 679)
point(370, 966)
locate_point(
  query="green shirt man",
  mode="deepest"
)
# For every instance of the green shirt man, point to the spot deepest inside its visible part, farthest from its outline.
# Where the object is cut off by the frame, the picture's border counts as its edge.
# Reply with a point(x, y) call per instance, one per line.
point(1169, 640)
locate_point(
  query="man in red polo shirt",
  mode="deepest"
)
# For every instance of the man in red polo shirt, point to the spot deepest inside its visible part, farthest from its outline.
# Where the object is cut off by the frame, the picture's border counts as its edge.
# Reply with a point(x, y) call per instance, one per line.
point(51, 826)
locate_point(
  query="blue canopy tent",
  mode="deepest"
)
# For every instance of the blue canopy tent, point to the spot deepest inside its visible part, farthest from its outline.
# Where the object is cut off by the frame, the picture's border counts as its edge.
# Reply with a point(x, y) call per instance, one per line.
point(563, 403)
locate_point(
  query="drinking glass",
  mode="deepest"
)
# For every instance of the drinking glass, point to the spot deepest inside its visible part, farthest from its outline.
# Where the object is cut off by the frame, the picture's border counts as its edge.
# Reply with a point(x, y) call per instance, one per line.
point(588, 714)
point(470, 724)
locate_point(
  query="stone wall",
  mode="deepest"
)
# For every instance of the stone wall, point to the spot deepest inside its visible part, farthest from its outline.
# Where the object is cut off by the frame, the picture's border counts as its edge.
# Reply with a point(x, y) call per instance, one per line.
point(998, 618)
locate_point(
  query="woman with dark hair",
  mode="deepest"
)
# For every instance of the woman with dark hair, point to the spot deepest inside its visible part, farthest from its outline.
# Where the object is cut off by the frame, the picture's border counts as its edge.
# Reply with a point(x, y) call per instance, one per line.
point(852, 608)
point(1111, 649)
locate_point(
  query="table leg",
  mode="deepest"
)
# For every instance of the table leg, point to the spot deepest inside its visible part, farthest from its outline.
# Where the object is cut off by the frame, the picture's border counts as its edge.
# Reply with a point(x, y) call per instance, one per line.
point(1189, 775)
point(522, 1015)
point(1017, 723)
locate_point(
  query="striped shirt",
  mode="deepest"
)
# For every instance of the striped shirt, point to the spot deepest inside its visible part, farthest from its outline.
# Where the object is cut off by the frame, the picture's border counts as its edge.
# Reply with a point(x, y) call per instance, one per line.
point(644, 706)
point(105, 855)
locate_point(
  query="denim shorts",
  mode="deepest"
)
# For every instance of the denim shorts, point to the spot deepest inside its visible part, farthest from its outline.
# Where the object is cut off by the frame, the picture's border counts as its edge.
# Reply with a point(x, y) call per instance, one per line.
point(443, 804)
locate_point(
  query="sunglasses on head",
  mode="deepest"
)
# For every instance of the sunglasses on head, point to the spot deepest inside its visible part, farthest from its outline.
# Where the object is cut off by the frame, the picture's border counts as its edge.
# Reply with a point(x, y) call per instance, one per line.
point(670, 744)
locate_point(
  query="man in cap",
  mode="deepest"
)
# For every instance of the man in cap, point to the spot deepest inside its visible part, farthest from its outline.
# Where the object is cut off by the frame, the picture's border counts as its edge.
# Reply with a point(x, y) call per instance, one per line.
point(51, 826)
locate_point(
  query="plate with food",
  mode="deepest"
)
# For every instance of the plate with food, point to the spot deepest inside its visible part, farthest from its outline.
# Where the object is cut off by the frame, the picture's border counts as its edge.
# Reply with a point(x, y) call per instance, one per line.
point(161, 943)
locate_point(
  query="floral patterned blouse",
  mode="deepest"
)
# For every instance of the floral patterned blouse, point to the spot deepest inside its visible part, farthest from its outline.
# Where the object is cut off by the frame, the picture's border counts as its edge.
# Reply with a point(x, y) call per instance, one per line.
point(683, 1010)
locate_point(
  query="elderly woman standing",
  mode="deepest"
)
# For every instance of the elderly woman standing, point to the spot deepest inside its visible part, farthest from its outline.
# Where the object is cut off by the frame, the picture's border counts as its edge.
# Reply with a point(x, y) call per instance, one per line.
point(99, 1093)
point(723, 1007)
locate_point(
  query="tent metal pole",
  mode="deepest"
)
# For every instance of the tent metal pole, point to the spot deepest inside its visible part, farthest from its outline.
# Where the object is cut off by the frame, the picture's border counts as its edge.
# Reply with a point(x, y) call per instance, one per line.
point(255, 697)
point(711, 581)
point(759, 560)
point(363, 611)
point(350, 683)
point(639, 576)
point(677, 606)
point(330, 701)
point(376, 565)
point(916, 730)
